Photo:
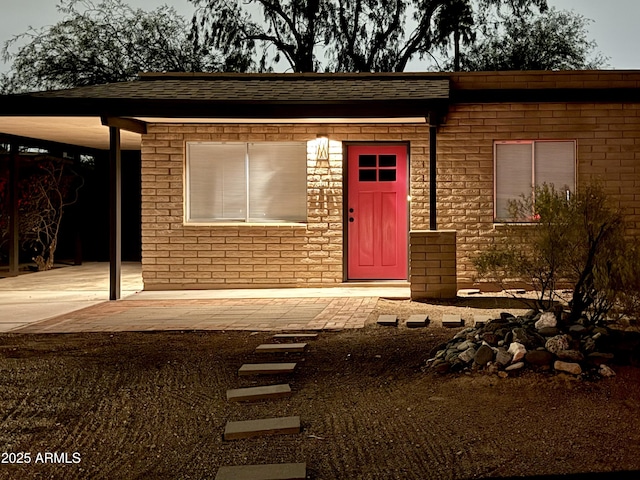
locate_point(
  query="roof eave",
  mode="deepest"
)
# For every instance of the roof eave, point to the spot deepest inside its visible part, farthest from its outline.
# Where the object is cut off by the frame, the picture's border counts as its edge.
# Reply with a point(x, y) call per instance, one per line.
point(25, 105)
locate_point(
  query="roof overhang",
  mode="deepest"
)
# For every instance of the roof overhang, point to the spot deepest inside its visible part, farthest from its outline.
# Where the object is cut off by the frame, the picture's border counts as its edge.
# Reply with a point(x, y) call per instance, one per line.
point(87, 132)
point(73, 116)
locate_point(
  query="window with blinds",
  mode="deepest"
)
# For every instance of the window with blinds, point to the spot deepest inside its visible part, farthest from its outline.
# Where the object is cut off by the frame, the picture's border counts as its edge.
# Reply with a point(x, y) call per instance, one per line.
point(246, 182)
point(520, 166)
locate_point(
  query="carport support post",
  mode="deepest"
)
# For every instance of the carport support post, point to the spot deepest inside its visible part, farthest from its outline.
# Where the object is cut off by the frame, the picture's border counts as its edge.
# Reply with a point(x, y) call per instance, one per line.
point(115, 213)
point(14, 223)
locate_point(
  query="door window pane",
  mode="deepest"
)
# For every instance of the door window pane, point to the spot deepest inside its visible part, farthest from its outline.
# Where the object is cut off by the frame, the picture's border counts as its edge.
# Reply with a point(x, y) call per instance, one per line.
point(367, 175)
point(387, 175)
point(387, 161)
point(367, 161)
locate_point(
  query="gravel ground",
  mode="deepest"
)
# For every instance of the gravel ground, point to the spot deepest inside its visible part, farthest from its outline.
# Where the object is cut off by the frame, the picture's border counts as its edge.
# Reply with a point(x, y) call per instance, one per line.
point(152, 406)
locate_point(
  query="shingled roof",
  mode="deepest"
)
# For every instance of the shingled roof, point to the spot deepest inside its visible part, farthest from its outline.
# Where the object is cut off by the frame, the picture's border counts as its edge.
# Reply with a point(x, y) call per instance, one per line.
point(246, 95)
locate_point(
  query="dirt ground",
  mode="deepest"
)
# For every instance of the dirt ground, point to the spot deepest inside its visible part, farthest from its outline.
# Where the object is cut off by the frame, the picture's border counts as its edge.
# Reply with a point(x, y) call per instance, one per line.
point(152, 406)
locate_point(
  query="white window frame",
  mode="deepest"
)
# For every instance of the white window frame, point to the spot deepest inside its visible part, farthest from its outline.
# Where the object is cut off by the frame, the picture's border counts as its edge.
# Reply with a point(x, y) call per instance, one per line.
point(188, 220)
point(533, 143)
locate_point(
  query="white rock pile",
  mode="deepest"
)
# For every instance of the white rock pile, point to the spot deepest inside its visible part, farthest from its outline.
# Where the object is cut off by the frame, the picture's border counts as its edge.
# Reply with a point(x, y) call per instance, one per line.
point(536, 340)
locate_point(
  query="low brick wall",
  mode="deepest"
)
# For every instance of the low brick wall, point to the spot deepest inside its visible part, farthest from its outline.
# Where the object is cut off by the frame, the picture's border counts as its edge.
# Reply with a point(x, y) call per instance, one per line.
point(432, 263)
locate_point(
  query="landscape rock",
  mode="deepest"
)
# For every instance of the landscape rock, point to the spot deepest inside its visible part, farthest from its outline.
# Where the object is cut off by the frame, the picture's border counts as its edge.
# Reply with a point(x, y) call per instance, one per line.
point(557, 344)
point(606, 371)
point(570, 355)
point(535, 340)
point(539, 358)
point(515, 366)
point(572, 368)
point(529, 339)
point(484, 355)
point(467, 355)
point(547, 320)
point(491, 338)
point(451, 355)
point(518, 351)
point(443, 367)
point(464, 333)
point(549, 331)
point(577, 329)
point(503, 357)
point(599, 358)
point(465, 345)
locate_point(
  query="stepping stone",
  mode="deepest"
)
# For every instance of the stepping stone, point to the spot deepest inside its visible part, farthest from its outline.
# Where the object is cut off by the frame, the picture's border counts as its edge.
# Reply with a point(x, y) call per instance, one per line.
point(469, 291)
point(451, 320)
point(282, 336)
point(516, 291)
point(282, 471)
point(281, 348)
point(388, 320)
point(417, 321)
point(259, 428)
point(266, 368)
point(481, 320)
point(253, 394)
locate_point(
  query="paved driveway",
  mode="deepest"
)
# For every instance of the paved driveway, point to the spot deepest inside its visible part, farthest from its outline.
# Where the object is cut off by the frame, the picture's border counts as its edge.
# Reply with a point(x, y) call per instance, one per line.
point(75, 299)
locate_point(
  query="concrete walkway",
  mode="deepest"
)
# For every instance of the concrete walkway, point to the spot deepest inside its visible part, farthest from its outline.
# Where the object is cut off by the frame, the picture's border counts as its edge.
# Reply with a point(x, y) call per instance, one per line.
point(75, 299)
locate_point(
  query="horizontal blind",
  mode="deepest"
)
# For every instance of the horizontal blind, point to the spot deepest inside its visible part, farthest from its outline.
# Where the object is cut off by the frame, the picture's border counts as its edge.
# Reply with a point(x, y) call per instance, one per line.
point(216, 185)
point(513, 175)
point(555, 164)
point(277, 182)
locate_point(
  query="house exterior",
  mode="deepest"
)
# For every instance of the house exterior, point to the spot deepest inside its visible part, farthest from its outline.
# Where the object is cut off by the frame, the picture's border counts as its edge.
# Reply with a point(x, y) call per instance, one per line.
point(317, 180)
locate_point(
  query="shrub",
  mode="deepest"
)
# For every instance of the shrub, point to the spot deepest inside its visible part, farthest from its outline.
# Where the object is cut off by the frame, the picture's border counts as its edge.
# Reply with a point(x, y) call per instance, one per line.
point(574, 241)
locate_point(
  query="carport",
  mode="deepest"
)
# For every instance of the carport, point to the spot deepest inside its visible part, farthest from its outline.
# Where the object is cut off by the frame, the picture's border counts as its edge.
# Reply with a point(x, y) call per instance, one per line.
point(90, 132)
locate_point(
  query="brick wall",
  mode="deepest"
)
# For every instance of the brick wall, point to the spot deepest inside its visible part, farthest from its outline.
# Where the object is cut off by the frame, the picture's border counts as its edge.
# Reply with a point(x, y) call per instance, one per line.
point(608, 149)
point(433, 264)
point(175, 255)
point(189, 256)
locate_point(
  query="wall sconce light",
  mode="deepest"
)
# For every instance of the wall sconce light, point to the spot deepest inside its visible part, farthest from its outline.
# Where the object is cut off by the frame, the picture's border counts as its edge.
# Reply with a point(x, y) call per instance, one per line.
point(322, 147)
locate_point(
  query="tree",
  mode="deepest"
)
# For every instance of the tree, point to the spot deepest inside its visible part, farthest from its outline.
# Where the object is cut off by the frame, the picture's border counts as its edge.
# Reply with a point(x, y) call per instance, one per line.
point(553, 40)
point(353, 35)
point(100, 43)
point(272, 28)
point(48, 185)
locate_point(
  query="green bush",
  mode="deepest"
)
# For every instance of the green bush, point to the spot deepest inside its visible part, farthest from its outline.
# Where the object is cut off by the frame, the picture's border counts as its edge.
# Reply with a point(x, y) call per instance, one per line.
point(571, 241)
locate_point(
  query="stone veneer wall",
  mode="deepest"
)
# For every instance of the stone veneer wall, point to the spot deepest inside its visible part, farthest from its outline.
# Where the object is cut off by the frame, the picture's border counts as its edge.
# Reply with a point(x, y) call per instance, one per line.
point(432, 264)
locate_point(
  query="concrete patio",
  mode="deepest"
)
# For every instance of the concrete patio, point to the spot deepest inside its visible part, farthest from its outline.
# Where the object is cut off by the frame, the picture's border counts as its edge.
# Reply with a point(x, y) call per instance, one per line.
point(75, 299)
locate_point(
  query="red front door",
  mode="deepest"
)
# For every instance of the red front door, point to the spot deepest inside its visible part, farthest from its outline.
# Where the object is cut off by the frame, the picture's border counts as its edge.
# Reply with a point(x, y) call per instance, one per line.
point(377, 212)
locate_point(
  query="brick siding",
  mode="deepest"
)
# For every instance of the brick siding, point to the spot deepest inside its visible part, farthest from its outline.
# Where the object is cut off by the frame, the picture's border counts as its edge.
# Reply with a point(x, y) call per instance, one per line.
point(608, 150)
point(176, 255)
point(432, 264)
